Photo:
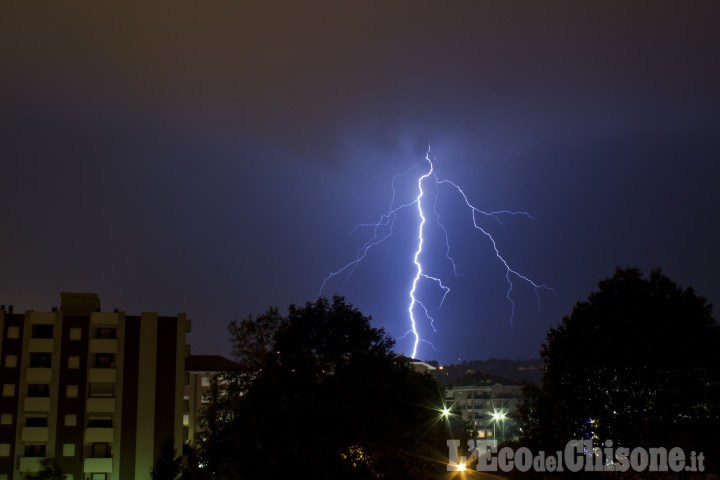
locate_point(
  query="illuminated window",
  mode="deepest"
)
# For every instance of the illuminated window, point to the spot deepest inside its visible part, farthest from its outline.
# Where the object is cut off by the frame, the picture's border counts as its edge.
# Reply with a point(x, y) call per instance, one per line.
point(72, 391)
point(13, 332)
point(9, 390)
point(75, 333)
point(6, 419)
point(186, 420)
point(205, 381)
point(11, 361)
point(70, 420)
point(74, 362)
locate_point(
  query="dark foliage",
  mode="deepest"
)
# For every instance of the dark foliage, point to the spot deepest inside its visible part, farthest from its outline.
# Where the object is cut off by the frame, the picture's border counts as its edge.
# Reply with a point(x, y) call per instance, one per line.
point(49, 470)
point(637, 363)
point(168, 466)
point(321, 395)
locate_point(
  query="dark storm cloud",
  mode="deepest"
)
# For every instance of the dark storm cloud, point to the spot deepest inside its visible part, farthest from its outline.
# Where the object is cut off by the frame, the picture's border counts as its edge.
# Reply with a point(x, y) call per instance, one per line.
point(212, 156)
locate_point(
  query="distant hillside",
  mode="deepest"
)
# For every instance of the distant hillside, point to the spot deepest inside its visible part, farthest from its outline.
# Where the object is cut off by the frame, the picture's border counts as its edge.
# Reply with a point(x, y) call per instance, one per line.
point(494, 370)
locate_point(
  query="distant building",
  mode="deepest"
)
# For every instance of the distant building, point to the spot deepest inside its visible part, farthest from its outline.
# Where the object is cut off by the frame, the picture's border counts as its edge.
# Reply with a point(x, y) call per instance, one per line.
point(199, 370)
point(101, 392)
point(486, 407)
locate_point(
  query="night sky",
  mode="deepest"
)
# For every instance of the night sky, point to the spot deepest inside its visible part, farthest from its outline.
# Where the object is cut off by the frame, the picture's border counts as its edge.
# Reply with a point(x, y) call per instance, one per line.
point(213, 157)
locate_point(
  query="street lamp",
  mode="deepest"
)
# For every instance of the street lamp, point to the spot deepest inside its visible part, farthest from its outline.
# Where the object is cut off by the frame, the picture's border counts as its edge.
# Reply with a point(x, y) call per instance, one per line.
point(498, 415)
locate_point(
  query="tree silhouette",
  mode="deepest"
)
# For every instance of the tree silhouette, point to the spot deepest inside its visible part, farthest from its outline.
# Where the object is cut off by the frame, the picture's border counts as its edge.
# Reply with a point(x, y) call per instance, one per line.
point(323, 397)
point(636, 363)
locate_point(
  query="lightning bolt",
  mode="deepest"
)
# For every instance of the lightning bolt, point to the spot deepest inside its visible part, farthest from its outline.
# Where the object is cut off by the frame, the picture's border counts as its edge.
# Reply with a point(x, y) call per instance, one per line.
point(383, 229)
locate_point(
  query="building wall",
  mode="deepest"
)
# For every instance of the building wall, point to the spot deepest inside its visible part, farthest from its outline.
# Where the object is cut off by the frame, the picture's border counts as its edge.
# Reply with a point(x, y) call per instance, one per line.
point(99, 391)
point(477, 404)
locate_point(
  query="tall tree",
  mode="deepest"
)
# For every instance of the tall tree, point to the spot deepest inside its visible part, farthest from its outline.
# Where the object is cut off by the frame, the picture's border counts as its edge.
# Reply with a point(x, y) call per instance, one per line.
point(636, 363)
point(324, 397)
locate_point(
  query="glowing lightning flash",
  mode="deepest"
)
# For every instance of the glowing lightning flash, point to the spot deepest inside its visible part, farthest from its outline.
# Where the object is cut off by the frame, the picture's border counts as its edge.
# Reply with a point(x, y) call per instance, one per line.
point(388, 220)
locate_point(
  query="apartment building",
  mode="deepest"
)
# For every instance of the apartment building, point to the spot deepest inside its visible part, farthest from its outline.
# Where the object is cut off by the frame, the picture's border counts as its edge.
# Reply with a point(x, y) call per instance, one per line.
point(486, 407)
point(199, 372)
point(100, 392)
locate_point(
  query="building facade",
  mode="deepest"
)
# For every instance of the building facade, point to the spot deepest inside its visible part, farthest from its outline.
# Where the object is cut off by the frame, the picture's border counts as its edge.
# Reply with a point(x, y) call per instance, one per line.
point(199, 373)
point(100, 392)
point(487, 408)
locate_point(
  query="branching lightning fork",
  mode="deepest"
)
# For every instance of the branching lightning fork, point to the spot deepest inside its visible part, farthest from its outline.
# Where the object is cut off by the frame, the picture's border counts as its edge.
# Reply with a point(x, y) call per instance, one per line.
point(383, 229)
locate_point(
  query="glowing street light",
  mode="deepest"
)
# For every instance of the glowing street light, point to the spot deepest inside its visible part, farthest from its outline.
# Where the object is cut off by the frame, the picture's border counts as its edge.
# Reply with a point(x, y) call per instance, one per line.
point(498, 415)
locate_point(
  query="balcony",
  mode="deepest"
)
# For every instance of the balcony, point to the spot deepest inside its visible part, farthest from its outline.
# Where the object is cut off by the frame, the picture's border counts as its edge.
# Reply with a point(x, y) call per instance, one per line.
point(38, 375)
point(103, 345)
point(30, 464)
point(37, 404)
point(99, 434)
point(102, 375)
point(40, 344)
point(104, 405)
point(43, 317)
point(104, 318)
point(34, 434)
point(97, 465)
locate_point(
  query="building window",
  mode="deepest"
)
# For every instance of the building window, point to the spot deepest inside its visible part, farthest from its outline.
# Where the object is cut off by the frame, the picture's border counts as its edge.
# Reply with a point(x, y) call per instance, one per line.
point(75, 333)
point(187, 378)
point(100, 422)
point(35, 450)
point(68, 450)
point(104, 360)
point(9, 390)
point(10, 361)
point(40, 330)
point(204, 399)
point(74, 362)
point(106, 332)
point(100, 450)
point(98, 476)
point(40, 360)
point(71, 391)
point(38, 390)
point(6, 419)
point(102, 389)
point(36, 421)
point(186, 405)
point(186, 419)
point(70, 420)
point(205, 381)
point(13, 332)
point(4, 449)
